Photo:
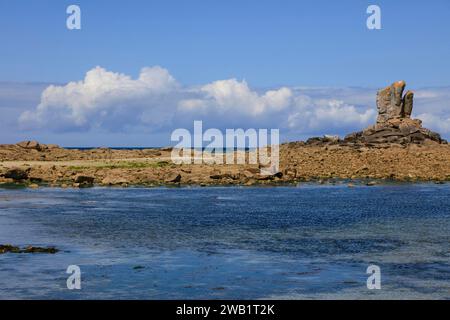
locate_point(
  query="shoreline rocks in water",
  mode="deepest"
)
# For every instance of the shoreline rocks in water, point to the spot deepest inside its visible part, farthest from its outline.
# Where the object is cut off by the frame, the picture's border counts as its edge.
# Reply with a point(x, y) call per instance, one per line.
point(395, 148)
point(7, 248)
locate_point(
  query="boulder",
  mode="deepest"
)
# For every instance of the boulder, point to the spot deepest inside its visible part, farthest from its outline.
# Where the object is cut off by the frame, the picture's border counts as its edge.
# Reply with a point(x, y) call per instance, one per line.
point(173, 178)
point(17, 174)
point(84, 181)
point(30, 145)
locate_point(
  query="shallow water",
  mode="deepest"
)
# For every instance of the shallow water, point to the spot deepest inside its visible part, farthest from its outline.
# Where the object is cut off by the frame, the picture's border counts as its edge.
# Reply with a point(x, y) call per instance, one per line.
point(311, 241)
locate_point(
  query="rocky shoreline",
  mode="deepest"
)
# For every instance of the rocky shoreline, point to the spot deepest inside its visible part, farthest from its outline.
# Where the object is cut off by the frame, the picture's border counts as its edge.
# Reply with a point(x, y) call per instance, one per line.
point(315, 160)
point(396, 148)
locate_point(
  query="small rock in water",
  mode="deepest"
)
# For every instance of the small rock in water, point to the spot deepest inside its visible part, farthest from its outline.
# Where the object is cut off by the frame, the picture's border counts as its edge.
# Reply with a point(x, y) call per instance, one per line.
point(138, 267)
point(30, 249)
point(84, 181)
point(4, 248)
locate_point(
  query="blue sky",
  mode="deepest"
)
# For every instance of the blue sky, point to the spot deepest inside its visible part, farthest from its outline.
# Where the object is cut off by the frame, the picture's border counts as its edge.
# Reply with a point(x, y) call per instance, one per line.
point(266, 45)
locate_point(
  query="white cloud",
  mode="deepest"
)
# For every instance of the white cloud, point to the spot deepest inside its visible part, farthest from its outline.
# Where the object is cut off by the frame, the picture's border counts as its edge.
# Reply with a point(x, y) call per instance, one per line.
point(440, 124)
point(102, 99)
point(315, 115)
point(228, 95)
point(156, 102)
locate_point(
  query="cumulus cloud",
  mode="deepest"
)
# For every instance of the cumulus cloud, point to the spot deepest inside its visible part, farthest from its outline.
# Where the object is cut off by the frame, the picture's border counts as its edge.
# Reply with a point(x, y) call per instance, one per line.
point(314, 115)
point(156, 102)
point(104, 99)
point(232, 95)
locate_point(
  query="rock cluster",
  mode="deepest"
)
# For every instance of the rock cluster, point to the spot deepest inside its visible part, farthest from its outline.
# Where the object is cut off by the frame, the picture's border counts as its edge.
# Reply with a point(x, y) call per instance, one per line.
point(16, 174)
point(7, 248)
point(34, 145)
point(394, 124)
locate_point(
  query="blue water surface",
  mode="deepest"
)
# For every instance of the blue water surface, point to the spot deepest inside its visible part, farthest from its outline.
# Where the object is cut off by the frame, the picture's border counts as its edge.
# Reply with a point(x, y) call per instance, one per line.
point(304, 242)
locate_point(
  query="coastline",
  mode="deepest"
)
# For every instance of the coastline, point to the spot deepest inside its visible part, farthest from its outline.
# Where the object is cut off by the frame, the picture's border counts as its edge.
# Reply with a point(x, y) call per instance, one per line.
point(300, 162)
point(313, 241)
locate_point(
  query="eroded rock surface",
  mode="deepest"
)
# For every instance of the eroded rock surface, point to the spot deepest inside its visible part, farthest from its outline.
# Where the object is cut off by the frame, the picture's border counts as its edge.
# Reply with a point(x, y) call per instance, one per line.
point(394, 124)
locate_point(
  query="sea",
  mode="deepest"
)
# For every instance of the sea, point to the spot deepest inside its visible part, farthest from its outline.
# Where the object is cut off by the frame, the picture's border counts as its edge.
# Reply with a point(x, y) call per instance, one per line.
point(309, 241)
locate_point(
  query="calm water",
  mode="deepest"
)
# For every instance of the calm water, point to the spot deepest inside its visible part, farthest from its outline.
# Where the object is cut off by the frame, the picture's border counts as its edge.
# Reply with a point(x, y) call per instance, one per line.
point(277, 242)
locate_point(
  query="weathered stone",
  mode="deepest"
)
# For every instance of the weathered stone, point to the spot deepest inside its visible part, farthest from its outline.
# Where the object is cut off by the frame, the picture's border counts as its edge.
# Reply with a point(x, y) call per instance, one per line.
point(84, 182)
point(17, 174)
point(114, 180)
point(30, 145)
point(352, 137)
point(394, 124)
point(408, 104)
point(390, 102)
point(222, 176)
point(9, 248)
point(173, 178)
point(30, 249)
point(84, 179)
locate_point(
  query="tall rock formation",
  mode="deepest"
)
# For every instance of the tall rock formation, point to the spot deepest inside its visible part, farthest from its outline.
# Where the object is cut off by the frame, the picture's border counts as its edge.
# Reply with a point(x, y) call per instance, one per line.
point(391, 103)
point(394, 123)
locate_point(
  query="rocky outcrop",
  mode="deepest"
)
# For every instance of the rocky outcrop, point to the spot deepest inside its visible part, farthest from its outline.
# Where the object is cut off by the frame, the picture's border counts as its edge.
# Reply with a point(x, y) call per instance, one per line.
point(30, 145)
point(394, 124)
point(36, 151)
point(34, 145)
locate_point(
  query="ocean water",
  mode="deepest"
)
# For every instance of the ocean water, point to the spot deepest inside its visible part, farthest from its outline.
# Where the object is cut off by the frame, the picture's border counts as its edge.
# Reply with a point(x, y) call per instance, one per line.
point(304, 242)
